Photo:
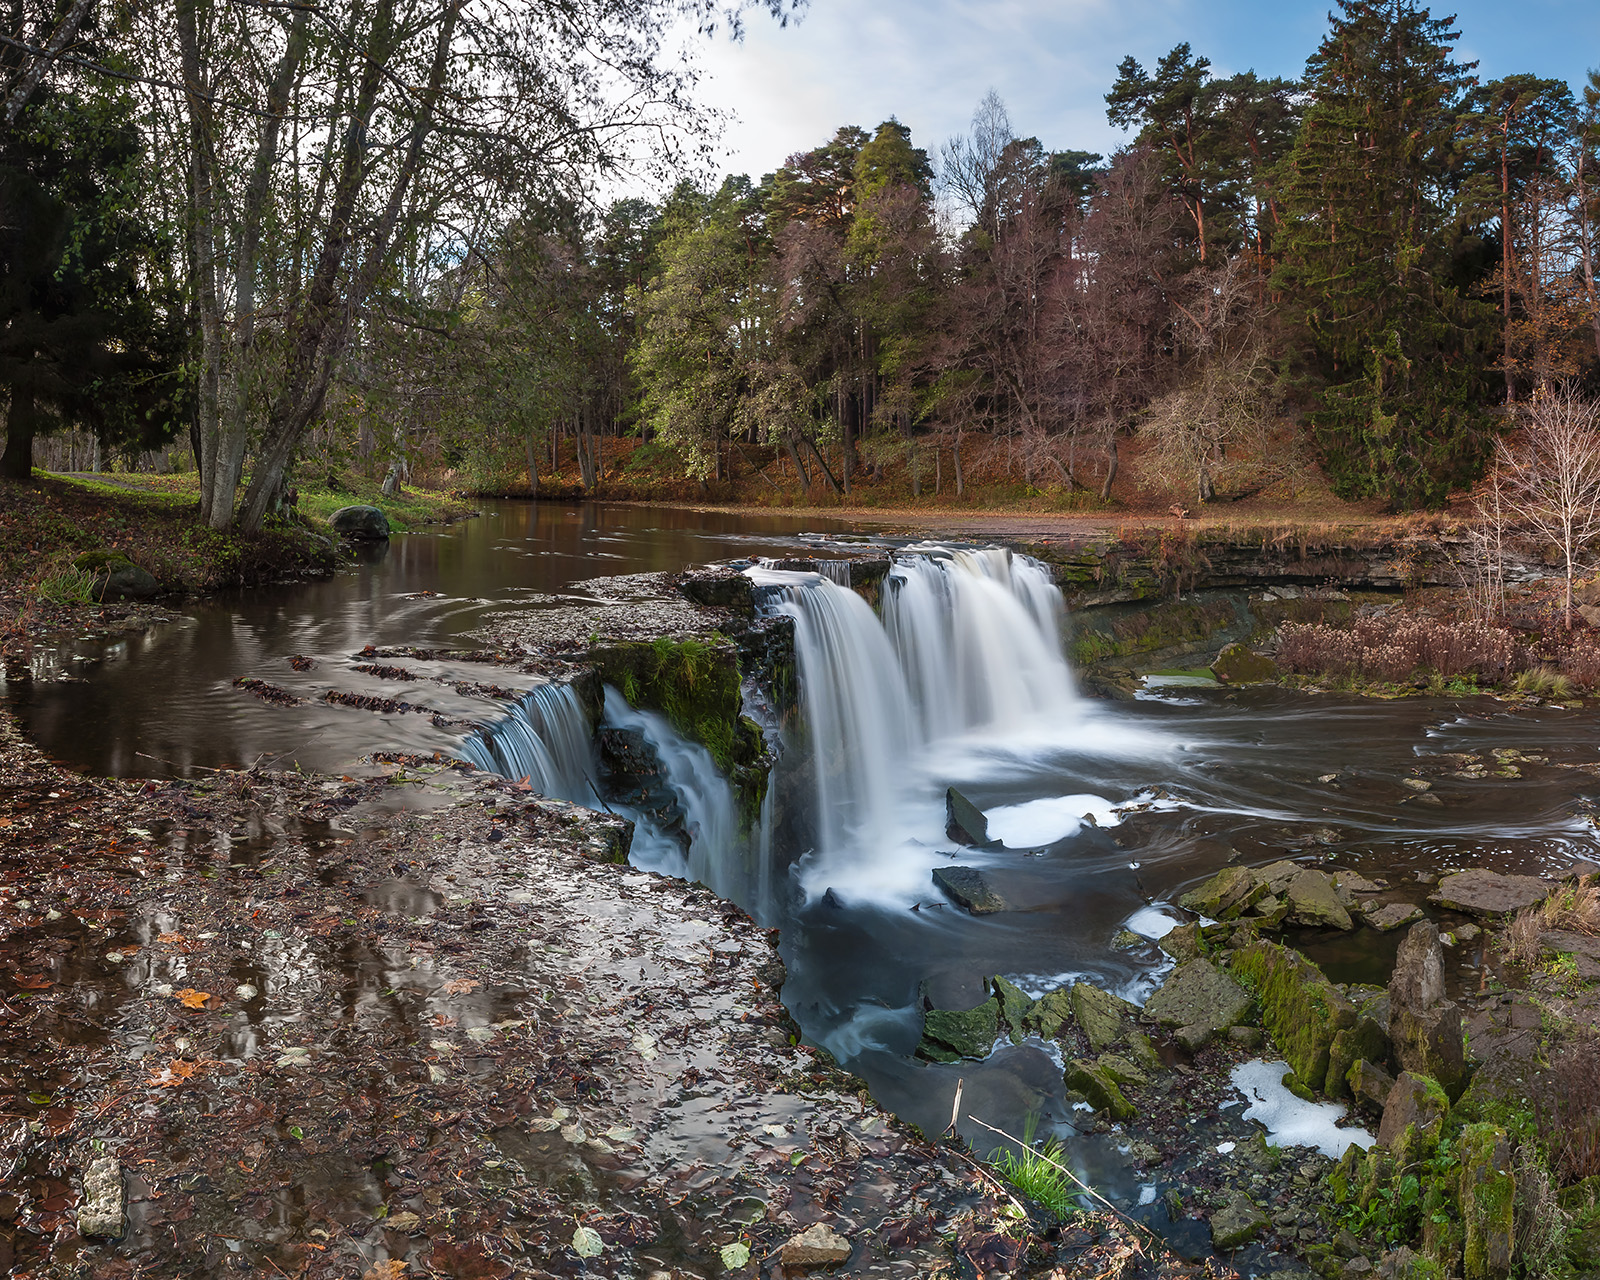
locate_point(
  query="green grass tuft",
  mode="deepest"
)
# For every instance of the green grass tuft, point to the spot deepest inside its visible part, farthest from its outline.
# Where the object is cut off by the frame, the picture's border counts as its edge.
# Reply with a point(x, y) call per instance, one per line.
point(1035, 1174)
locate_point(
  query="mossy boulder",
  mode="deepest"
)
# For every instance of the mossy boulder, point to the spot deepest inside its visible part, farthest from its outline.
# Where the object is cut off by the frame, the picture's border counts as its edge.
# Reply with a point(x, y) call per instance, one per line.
point(1103, 1017)
point(950, 1034)
point(1314, 900)
point(1487, 1199)
point(116, 577)
point(1015, 1007)
point(1182, 943)
point(1239, 665)
point(1098, 1088)
point(1301, 1010)
point(1237, 1223)
point(1365, 1040)
point(1198, 995)
point(1413, 1117)
point(1228, 893)
point(1050, 1013)
point(360, 523)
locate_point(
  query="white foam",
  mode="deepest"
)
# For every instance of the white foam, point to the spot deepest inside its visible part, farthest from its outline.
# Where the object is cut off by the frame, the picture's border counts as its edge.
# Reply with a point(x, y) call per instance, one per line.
point(1150, 922)
point(1039, 822)
point(1147, 1193)
point(1291, 1121)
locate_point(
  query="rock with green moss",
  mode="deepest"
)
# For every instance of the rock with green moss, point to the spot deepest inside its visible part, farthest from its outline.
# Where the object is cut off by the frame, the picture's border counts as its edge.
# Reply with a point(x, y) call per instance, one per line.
point(1199, 995)
point(1239, 665)
point(116, 577)
point(1424, 1027)
point(360, 523)
point(1314, 900)
point(1227, 894)
point(1413, 1117)
point(964, 1033)
point(1103, 1017)
point(1182, 942)
point(1237, 1223)
point(1015, 1007)
point(1487, 1198)
point(1123, 1072)
point(1369, 1084)
point(1098, 1089)
point(1143, 1051)
point(1364, 1040)
point(1050, 1013)
point(1301, 1010)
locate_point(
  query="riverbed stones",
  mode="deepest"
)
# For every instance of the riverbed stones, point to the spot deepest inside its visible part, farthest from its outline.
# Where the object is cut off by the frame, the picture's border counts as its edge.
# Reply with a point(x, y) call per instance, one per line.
point(1181, 943)
point(1051, 1012)
point(964, 821)
point(1481, 892)
point(1015, 1006)
point(951, 1034)
point(969, 889)
point(1424, 1027)
point(1488, 1195)
point(1301, 1010)
point(1237, 1223)
point(1237, 665)
point(360, 524)
point(1103, 1017)
point(1391, 915)
point(1199, 998)
point(1369, 1084)
point(817, 1246)
point(1365, 1040)
point(1313, 900)
point(1228, 893)
point(103, 1210)
point(1098, 1088)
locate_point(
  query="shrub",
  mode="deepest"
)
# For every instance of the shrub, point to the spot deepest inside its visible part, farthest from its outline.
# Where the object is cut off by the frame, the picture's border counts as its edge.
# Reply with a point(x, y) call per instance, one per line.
point(1393, 649)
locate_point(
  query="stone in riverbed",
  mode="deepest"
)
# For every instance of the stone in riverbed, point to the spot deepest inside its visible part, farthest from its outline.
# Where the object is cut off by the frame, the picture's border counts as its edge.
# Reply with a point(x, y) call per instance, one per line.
point(1098, 1088)
point(1015, 1007)
point(1300, 1009)
point(816, 1246)
point(361, 523)
point(1239, 665)
point(1182, 943)
point(1226, 894)
point(1237, 1223)
point(969, 889)
point(1391, 915)
point(1424, 1027)
point(948, 1034)
point(1314, 901)
point(964, 821)
point(1051, 1012)
point(1198, 994)
point(1104, 1017)
point(1366, 1040)
point(1487, 893)
point(102, 1212)
point(1278, 874)
point(1369, 1084)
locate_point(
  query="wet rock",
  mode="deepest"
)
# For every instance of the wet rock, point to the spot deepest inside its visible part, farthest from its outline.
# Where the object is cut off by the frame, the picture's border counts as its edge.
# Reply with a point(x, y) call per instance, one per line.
point(1199, 995)
point(1488, 893)
point(1182, 943)
point(1051, 1012)
point(1277, 875)
point(103, 1209)
point(116, 577)
point(1098, 1088)
point(1102, 1016)
point(816, 1246)
point(360, 523)
point(1488, 1193)
point(1369, 1083)
point(969, 889)
point(1300, 1009)
point(1228, 893)
point(1015, 1006)
point(1314, 901)
point(1144, 1051)
point(1366, 1040)
point(1424, 1027)
point(718, 588)
point(1350, 881)
point(1124, 1073)
point(964, 821)
point(949, 1034)
point(1391, 915)
point(1418, 1105)
point(1239, 665)
point(1237, 1223)
point(1269, 913)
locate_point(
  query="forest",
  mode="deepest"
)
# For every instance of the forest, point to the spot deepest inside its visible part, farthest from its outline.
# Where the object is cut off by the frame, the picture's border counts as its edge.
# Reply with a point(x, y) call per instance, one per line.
point(261, 240)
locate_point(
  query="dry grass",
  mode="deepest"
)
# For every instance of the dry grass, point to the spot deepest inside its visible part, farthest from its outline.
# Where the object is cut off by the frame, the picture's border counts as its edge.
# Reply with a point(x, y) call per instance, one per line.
point(1575, 908)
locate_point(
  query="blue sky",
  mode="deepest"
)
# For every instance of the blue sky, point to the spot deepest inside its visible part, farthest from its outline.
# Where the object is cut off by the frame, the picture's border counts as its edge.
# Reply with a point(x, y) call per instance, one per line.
point(929, 61)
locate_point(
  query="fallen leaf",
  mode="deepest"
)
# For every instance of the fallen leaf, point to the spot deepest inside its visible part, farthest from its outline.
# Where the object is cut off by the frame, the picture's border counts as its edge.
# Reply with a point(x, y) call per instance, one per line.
point(193, 999)
point(32, 982)
point(390, 1270)
point(170, 937)
point(586, 1243)
point(460, 986)
point(735, 1255)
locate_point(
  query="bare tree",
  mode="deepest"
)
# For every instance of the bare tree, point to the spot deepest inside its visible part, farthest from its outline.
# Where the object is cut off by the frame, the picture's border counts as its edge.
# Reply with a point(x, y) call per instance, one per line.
point(970, 162)
point(1551, 474)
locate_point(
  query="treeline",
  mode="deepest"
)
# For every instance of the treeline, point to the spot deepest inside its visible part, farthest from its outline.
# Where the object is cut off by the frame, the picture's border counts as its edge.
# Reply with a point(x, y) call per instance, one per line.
point(343, 235)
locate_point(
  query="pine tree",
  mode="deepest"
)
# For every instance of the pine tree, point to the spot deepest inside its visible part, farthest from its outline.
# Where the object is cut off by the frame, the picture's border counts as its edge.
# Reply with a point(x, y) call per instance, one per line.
point(1398, 350)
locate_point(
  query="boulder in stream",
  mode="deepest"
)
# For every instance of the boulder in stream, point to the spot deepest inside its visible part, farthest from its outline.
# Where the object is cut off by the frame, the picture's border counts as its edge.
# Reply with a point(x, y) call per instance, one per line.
point(951, 1034)
point(1103, 1017)
point(1391, 915)
point(1481, 892)
point(1301, 1010)
point(1314, 900)
point(1237, 664)
point(1424, 1027)
point(964, 821)
point(1199, 995)
point(1099, 1089)
point(116, 577)
point(969, 889)
point(1226, 894)
point(361, 523)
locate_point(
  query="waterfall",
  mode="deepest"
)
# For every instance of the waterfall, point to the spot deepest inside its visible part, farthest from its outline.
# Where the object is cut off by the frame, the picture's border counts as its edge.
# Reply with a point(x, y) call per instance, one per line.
point(546, 739)
point(704, 797)
point(969, 644)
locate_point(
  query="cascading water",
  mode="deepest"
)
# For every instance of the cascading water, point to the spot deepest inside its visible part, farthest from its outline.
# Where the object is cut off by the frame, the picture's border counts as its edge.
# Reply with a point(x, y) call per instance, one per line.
point(970, 643)
point(546, 739)
point(704, 797)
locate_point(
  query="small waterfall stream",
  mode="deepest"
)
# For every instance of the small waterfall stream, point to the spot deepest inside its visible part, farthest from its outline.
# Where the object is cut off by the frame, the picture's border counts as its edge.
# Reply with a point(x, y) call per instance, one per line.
point(546, 739)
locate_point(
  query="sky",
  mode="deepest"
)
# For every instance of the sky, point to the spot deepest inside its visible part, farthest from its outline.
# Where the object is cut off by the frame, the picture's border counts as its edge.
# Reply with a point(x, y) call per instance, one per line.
point(928, 62)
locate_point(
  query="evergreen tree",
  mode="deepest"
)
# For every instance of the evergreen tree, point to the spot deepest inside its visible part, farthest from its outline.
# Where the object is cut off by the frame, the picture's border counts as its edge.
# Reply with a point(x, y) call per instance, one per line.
point(1398, 350)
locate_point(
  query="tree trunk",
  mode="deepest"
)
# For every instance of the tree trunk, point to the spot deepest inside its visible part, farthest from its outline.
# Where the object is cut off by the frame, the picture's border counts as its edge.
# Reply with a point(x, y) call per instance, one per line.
point(1505, 257)
point(799, 466)
point(1586, 237)
point(823, 464)
point(1111, 466)
point(60, 38)
point(17, 461)
point(961, 488)
point(533, 467)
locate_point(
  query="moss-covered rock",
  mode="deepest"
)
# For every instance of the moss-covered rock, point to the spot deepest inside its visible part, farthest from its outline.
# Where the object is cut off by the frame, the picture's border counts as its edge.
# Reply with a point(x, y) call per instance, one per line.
point(1228, 893)
point(948, 1034)
point(1413, 1118)
point(1098, 1088)
point(1238, 665)
point(1015, 1007)
point(1301, 1010)
point(1314, 900)
point(1488, 1197)
point(1199, 995)
point(1104, 1018)
point(1365, 1040)
point(1050, 1013)
point(1182, 943)
point(1237, 1223)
